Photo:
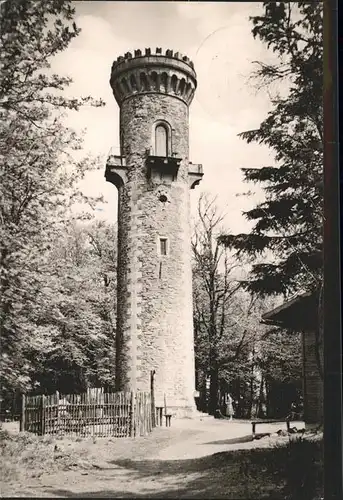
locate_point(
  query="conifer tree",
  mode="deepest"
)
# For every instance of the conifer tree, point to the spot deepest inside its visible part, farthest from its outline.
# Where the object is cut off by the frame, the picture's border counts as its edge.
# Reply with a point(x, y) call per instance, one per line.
point(285, 243)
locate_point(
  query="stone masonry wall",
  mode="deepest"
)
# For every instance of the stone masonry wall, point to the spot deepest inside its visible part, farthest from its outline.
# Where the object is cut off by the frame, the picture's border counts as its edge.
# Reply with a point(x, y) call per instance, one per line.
point(155, 320)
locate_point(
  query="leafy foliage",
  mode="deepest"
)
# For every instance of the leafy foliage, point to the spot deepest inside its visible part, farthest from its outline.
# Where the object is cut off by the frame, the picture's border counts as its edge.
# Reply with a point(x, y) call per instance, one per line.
point(40, 169)
point(232, 347)
point(285, 244)
point(77, 309)
point(214, 291)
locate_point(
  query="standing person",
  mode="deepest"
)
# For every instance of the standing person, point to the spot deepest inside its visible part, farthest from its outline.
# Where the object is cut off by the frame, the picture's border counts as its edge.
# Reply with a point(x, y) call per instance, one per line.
point(292, 414)
point(229, 406)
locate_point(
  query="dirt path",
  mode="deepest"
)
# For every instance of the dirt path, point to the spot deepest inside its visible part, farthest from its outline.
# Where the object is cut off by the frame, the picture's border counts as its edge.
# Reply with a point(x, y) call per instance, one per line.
point(211, 436)
point(183, 461)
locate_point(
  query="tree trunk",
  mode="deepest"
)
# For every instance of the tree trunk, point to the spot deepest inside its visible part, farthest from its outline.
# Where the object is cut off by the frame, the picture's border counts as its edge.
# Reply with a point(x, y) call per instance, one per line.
point(213, 401)
point(239, 399)
point(251, 384)
point(197, 375)
point(268, 409)
point(261, 399)
point(251, 402)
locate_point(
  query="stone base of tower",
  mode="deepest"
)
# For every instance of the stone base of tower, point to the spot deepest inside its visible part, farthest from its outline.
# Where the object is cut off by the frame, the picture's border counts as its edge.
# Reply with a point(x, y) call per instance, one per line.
point(181, 408)
point(182, 411)
point(189, 412)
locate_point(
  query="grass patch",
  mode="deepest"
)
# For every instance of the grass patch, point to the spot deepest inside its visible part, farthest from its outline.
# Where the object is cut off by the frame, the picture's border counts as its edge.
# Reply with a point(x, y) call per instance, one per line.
point(296, 467)
point(304, 468)
point(27, 455)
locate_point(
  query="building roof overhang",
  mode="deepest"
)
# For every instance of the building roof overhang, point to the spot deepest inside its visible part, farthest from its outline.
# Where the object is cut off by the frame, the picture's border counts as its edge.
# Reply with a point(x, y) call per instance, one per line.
point(300, 313)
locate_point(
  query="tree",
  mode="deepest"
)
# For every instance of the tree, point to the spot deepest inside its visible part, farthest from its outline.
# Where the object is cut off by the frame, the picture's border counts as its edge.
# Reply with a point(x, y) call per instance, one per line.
point(285, 244)
point(103, 249)
point(39, 170)
point(77, 310)
point(232, 348)
point(279, 362)
point(220, 336)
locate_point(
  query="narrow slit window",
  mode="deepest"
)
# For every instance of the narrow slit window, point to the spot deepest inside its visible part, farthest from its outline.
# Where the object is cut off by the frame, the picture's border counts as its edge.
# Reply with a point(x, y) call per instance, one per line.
point(161, 140)
point(163, 246)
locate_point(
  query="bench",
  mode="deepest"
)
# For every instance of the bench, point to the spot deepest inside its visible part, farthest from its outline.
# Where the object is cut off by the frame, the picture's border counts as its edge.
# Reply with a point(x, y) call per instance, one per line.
point(159, 416)
point(255, 422)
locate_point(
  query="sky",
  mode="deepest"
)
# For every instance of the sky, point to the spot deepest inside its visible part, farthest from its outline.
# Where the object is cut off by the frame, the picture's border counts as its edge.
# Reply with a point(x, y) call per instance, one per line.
point(217, 38)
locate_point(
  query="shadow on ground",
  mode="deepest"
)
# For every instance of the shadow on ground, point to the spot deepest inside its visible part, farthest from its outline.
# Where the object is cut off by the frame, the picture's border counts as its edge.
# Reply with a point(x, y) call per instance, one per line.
point(231, 475)
point(243, 439)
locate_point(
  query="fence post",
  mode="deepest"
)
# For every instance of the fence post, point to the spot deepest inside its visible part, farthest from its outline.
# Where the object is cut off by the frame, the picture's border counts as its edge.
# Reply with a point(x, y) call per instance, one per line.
point(152, 395)
point(22, 415)
point(165, 408)
point(132, 415)
point(43, 415)
point(57, 394)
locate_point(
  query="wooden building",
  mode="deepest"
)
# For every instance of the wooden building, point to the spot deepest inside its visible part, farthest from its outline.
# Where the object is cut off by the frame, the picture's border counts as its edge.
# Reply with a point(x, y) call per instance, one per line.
point(301, 314)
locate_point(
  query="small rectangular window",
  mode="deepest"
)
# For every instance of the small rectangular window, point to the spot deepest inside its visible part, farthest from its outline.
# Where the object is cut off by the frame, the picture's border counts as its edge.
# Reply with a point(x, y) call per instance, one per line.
point(163, 246)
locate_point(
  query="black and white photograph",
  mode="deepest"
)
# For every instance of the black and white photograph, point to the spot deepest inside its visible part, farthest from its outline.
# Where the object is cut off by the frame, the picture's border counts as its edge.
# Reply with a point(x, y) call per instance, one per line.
point(161, 246)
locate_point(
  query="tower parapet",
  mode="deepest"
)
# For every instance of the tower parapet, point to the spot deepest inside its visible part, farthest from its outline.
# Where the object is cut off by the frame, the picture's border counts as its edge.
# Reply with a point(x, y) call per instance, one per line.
point(153, 72)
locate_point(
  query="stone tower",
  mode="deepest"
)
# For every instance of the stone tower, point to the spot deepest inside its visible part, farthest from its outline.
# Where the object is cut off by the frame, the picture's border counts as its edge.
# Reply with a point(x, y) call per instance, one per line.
point(153, 176)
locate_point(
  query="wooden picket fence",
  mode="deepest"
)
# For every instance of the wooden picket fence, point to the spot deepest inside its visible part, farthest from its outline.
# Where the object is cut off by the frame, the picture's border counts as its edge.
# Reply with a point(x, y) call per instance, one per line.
point(95, 413)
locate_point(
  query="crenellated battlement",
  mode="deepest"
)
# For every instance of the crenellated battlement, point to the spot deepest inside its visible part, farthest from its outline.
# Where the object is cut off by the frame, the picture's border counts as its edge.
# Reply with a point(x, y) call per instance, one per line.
point(148, 52)
point(165, 72)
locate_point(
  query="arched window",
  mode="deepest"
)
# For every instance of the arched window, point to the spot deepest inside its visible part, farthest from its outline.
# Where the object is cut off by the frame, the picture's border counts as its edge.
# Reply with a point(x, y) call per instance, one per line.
point(161, 140)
